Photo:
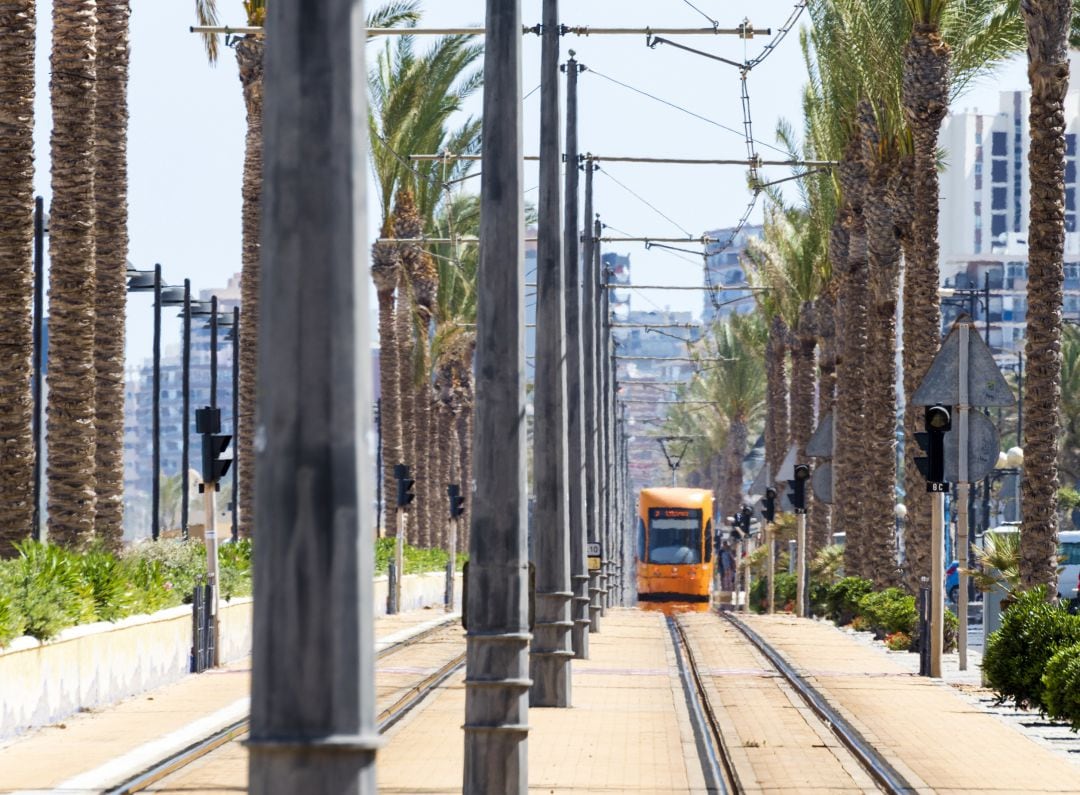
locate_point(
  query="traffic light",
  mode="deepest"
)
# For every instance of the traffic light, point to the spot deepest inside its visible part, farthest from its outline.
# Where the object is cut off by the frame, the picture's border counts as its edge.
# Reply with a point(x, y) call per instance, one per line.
point(736, 527)
point(798, 488)
point(770, 504)
point(457, 501)
point(938, 422)
point(405, 485)
point(214, 444)
point(745, 515)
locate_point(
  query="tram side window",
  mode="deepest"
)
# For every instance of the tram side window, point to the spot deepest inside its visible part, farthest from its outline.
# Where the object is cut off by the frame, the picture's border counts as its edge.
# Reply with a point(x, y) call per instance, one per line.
point(708, 541)
point(640, 539)
point(675, 541)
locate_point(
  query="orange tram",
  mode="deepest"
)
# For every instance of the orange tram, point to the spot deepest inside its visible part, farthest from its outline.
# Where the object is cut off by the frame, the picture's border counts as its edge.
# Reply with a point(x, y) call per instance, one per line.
point(674, 545)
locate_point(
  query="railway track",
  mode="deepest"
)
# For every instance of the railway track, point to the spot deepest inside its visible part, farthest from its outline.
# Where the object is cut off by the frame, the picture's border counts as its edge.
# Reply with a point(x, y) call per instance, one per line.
point(406, 700)
point(718, 758)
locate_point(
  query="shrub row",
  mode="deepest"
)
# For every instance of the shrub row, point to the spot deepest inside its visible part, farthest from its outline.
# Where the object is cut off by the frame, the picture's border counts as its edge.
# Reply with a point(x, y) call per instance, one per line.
point(47, 588)
point(891, 614)
point(1034, 659)
point(417, 560)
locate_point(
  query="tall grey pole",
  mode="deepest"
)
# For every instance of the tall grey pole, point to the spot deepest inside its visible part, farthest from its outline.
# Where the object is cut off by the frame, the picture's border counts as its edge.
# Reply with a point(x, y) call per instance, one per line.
point(551, 645)
point(313, 678)
point(497, 683)
point(155, 452)
point(590, 336)
point(38, 360)
point(606, 470)
point(575, 378)
point(185, 414)
point(235, 422)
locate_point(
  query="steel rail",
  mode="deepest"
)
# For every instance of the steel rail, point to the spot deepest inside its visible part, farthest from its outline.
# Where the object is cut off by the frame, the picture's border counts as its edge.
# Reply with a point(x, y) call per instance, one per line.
point(716, 767)
point(879, 768)
point(387, 718)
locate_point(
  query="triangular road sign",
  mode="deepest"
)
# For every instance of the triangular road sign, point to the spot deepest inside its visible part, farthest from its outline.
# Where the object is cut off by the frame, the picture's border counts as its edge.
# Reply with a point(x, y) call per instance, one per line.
point(823, 482)
point(761, 482)
point(821, 442)
point(787, 469)
point(941, 384)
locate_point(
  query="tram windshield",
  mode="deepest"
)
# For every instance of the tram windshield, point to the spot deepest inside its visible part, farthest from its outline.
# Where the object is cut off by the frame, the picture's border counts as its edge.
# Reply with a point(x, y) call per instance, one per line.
point(674, 536)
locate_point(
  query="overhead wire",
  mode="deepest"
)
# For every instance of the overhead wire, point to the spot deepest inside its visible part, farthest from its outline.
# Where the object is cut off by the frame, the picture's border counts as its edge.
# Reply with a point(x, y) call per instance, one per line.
point(715, 23)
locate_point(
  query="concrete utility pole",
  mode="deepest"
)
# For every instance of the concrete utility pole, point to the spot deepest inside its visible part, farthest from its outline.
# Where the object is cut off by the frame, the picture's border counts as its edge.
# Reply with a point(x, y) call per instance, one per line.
point(313, 682)
point(551, 645)
point(590, 337)
point(575, 377)
point(606, 471)
point(497, 681)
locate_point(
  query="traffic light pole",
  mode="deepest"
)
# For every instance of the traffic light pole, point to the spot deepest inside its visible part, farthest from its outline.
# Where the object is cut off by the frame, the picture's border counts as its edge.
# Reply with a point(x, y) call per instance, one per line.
point(771, 567)
point(937, 583)
point(212, 571)
point(451, 565)
point(962, 490)
point(800, 592)
point(399, 556)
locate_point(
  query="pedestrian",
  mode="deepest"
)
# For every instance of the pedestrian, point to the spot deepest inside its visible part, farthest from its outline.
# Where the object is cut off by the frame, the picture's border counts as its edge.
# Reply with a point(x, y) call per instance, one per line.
point(727, 567)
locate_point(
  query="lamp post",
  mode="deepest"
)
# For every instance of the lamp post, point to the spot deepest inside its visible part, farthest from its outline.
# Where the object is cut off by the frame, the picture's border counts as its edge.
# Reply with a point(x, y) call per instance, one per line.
point(234, 338)
point(41, 228)
point(145, 281)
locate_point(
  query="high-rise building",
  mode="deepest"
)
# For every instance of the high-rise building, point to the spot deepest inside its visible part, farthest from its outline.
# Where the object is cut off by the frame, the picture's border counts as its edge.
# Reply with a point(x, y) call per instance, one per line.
point(984, 216)
point(724, 272)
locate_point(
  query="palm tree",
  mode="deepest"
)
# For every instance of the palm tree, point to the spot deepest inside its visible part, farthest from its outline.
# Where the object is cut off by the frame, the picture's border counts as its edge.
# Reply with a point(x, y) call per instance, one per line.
point(951, 43)
point(249, 59)
point(16, 272)
point(70, 431)
point(110, 256)
point(1047, 23)
point(413, 97)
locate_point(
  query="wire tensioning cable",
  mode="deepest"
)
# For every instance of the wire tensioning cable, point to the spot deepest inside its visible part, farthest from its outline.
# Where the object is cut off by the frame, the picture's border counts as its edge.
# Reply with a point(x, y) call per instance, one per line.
point(644, 201)
point(715, 23)
point(670, 104)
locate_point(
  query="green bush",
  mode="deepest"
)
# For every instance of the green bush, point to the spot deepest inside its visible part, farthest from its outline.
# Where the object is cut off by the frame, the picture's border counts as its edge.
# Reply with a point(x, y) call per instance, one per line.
point(758, 591)
point(417, 560)
point(1061, 686)
point(843, 598)
point(110, 583)
point(787, 589)
point(889, 611)
point(11, 620)
point(1032, 631)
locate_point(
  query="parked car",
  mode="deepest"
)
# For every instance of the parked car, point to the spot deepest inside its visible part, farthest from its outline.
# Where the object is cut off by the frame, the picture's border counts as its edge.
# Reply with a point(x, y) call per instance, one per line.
point(952, 581)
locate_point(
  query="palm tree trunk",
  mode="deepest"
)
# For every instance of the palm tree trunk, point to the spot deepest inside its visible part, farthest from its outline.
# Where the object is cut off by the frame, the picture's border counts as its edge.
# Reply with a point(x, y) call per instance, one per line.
point(420, 526)
point(733, 466)
point(776, 412)
point(883, 252)
point(802, 393)
point(16, 272)
point(925, 99)
point(825, 325)
point(72, 288)
point(465, 435)
point(884, 259)
point(249, 58)
point(385, 273)
point(111, 243)
point(1047, 23)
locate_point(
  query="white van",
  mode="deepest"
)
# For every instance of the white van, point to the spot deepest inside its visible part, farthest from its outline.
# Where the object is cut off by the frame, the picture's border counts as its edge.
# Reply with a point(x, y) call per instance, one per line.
point(1068, 555)
point(1069, 552)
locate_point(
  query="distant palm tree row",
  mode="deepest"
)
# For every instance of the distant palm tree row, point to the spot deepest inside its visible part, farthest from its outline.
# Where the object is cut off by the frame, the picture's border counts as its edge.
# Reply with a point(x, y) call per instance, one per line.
point(882, 74)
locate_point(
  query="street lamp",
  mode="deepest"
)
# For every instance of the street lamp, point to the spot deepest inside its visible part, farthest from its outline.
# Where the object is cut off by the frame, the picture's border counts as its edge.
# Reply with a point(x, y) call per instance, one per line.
point(140, 282)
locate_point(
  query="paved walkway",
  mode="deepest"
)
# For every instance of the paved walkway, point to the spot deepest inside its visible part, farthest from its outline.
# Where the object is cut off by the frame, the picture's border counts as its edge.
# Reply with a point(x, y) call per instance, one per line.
point(932, 735)
point(628, 730)
point(94, 749)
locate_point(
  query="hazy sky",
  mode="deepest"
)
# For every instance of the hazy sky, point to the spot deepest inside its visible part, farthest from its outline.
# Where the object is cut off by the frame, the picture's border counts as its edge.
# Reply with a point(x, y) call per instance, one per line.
point(187, 132)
